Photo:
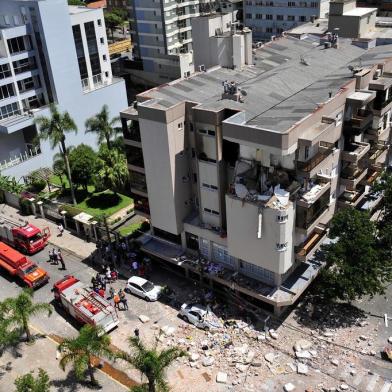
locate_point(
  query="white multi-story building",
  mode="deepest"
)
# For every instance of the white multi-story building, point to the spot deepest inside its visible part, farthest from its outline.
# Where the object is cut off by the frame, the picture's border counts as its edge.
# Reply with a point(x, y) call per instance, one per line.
point(269, 18)
point(161, 33)
point(50, 53)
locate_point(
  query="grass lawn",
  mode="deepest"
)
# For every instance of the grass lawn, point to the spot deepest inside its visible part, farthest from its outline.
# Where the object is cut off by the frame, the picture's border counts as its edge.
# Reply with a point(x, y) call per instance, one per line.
point(128, 230)
point(97, 203)
point(104, 203)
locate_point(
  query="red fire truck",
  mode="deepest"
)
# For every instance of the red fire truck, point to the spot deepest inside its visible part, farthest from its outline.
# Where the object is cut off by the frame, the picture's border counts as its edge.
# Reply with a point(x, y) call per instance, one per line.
point(19, 265)
point(22, 235)
point(84, 304)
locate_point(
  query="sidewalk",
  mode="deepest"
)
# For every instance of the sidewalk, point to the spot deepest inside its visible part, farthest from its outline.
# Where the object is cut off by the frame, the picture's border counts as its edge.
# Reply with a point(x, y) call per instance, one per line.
point(67, 241)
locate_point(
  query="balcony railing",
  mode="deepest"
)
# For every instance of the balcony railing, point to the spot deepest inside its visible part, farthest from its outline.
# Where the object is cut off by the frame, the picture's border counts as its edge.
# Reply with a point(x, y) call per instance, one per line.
point(352, 198)
point(18, 159)
point(307, 248)
point(90, 84)
point(355, 151)
point(325, 150)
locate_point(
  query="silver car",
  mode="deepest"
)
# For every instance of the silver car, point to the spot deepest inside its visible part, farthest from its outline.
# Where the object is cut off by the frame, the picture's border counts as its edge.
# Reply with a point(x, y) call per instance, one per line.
point(200, 316)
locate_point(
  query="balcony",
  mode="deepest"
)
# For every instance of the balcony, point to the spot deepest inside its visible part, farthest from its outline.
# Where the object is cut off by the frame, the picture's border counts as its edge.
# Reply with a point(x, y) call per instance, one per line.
point(134, 158)
point(355, 151)
point(373, 174)
point(138, 184)
point(378, 152)
point(358, 123)
point(306, 250)
point(22, 157)
point(377, 134)
point(312, 166)
point(307, 218)
point(313, 194)
point(352, 198)
point(352, 177)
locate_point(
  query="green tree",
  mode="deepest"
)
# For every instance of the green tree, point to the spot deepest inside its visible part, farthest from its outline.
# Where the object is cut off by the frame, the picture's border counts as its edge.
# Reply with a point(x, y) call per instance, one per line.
point(22, 307)
point(354, 267)
point(112, 21)
point(151, 363)
point(29, 383)
point(103, 126)
point(9, 336)
point(80, 351)
point(82, 160)
point(10, 184)
point(58, 167)
point(112, 170)
point(54, 128)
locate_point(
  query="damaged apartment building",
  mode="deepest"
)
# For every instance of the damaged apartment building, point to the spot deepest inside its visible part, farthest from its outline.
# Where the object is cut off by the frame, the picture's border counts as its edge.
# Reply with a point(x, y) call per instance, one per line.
point(240, 168)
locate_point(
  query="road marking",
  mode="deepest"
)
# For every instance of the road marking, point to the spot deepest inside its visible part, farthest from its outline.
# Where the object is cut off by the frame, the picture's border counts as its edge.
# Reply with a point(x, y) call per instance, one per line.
point(386, 387)
point(372, 383)
point(54, 341)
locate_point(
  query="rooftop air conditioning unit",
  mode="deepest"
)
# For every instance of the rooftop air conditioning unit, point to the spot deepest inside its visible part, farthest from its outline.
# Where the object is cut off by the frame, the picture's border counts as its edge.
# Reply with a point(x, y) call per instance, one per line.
point(377, 74)
point(202, 68)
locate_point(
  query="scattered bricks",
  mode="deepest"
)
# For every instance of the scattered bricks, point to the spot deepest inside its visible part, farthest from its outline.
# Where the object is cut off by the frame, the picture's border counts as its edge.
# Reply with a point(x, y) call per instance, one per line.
point(221, 378)
point(302, 368)
point(273, 334)
point(289, 387)
point(144, 319)
point(269, 357)
point(302, 344)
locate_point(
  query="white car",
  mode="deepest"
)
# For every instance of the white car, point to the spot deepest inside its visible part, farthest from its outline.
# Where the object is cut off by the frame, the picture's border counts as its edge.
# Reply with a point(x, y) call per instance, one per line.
point(200, 316)
point(143, 288)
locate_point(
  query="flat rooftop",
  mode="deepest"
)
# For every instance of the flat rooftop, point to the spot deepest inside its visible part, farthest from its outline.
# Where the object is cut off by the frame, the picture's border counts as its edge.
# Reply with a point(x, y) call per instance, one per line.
point(76, 9)
point(290, 79)
point(360, 11)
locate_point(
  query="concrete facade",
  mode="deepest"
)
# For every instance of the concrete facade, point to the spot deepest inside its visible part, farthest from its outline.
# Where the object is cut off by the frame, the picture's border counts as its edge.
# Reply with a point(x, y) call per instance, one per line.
point(67, 56)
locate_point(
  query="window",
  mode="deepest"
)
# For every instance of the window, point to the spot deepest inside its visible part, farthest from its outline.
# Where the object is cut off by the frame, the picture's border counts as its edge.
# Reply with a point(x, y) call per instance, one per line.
point(313, 4)
point(16, 45)
point(281, 247)
point(7, 91)
point(209, 211)
point(5, 71)
point(253, 270)
point(269, 30)
point(269, 17)
point(279, 30)
point(248, 16)
point(211, 133)
point(195, 178)
point(259, 16)
point(306, 154)
point(303, 4)
point(203, 131)
point(220, 254)
point(291, 3)
point(302, 18)
point(106, 74)
point(102, 40)
point(25, 84)
point(209, 187)
point(282, 218)
point(104, 57)
point(180, 126)
point(9, 110)
point(99, 21)
point(291, 18)
point(279, 17)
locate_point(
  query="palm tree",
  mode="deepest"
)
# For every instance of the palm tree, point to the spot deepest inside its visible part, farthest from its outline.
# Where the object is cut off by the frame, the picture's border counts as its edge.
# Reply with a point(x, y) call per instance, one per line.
point(8, 336)
point(58, 167)
point(54, 128)
point(151, 363)
point(91, 342)
point(22, 308)
point(112, 169)
point(102, 126)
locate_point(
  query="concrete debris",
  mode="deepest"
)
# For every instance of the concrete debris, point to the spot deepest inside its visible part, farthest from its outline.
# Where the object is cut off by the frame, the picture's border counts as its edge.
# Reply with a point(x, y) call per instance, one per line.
point(168, 331)
point(269, 357)
point(302, 344)
point(194, 357)
point(273, 334)
point(363, 337)
point(335, 362)
point(261, 337)
point(303, 354)
point(221, 378)
point(302, 368)
point(343, 387)
point(328, 334)
point(241, 367)
point(250, 356)
point(208, 361)
point(390, 339)
point(289, 387)
point(144, 319)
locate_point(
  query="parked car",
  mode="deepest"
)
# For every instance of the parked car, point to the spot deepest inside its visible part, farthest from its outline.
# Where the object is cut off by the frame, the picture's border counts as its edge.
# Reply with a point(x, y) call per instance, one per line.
point(200, 316)
point(143, 288)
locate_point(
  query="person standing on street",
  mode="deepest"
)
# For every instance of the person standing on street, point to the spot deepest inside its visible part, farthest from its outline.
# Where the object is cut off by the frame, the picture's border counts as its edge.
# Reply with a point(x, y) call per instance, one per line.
point(60, 259)
point(61, 229)
point(55, 258)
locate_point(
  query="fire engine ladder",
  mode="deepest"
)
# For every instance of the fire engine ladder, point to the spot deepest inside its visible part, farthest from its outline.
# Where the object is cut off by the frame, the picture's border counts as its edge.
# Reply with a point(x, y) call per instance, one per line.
point(90, 297)
point(11, 221)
